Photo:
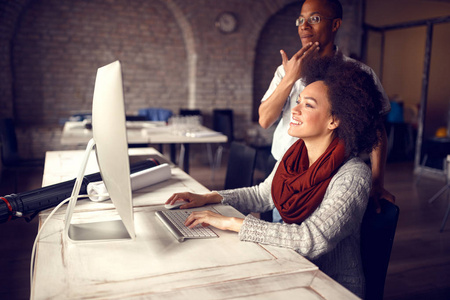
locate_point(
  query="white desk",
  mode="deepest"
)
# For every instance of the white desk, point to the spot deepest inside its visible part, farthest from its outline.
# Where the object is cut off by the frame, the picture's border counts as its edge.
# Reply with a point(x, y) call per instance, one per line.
point(155, 265)
point(147, 132)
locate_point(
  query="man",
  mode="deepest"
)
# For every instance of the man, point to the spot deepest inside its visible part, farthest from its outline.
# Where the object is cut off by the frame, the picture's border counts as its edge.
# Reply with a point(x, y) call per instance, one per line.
point(318, 24)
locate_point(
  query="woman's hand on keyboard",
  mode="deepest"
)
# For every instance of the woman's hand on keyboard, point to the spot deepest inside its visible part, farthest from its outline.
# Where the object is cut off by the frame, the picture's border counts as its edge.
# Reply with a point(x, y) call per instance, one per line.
point(207, 217)
point(194, 200)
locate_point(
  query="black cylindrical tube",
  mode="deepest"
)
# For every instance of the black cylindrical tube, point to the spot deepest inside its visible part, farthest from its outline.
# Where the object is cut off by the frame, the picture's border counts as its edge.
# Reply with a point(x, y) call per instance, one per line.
point(50, 196)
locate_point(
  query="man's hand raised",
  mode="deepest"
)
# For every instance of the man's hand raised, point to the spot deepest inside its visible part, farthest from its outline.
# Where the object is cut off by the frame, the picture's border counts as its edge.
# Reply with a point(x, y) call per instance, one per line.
point(292, 66)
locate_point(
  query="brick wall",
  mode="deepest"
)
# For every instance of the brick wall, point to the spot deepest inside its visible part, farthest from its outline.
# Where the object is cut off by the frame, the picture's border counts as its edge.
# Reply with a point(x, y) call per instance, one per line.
point(171, 53)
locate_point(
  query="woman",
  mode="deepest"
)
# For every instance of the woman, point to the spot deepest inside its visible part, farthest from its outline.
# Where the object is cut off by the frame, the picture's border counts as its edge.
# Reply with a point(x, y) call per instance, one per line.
point(320, 187)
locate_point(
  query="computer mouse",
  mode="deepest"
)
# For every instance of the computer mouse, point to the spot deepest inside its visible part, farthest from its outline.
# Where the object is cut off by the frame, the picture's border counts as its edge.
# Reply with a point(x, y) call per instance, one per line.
point(176, 204)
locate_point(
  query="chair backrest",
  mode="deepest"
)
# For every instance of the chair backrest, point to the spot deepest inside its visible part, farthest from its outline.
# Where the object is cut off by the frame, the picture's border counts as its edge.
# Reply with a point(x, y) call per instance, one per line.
point(223, 122)
point(190, 112)
point(155, 113)
point(135, 118)
point(8, 139)
point(377, 237)
point(241, 165)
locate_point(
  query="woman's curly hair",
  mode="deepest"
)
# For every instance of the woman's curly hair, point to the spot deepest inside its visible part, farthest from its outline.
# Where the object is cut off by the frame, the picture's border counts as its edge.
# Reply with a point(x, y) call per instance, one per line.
point(354, 99)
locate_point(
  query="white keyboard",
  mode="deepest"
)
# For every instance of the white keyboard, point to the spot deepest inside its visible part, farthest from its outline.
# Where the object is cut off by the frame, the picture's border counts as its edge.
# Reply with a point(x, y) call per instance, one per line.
point(174, 221)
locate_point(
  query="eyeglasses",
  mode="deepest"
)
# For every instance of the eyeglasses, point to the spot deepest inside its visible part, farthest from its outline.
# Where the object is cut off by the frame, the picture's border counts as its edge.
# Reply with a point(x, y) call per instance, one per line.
point(311, 20)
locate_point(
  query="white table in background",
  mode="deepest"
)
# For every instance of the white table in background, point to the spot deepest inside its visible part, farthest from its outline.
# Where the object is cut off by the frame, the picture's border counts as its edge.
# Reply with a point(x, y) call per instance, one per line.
point(155, 265)
point(147, 132)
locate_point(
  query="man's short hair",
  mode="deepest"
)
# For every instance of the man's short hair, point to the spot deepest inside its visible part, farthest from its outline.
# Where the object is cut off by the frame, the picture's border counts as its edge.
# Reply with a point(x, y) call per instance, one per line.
point(335, 6)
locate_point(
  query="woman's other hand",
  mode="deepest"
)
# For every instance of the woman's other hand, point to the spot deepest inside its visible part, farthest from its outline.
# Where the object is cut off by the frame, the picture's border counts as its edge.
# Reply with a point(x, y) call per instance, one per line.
point(194, 200)
point(206, 218)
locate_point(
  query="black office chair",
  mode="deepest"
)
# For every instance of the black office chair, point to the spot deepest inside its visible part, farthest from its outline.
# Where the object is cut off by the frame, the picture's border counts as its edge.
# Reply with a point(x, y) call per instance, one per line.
point(10, 153)
point(10, 158)
point(241, 165)
point(222, 122)
point(135, 118)
point(377, 237)
point(190, 112)
point(400, 141)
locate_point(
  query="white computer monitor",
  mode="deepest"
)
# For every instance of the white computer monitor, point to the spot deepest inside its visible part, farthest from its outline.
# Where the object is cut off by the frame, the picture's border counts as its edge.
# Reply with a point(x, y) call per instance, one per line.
point(111, 148)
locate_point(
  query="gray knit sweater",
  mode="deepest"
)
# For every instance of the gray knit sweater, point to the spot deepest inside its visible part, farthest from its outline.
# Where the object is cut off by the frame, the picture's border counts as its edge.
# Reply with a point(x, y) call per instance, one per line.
point(329, 237)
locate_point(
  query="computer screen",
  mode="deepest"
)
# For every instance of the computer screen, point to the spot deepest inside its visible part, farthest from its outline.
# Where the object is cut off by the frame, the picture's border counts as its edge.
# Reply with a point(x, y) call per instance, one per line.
point(111, 148)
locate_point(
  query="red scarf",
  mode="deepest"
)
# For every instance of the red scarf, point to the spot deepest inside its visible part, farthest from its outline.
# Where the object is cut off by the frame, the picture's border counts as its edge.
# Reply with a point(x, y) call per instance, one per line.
point(297, 189)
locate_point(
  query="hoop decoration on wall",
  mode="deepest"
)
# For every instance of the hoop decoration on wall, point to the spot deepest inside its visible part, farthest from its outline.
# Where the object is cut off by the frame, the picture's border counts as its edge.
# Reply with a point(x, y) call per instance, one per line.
point(227, 22)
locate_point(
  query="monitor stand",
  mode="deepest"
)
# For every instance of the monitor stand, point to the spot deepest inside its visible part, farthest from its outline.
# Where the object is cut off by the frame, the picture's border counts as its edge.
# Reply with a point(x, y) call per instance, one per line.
point(96, 231)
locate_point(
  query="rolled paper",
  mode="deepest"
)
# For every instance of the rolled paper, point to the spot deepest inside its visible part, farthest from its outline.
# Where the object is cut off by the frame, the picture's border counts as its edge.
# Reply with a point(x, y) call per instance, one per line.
point(97, 190)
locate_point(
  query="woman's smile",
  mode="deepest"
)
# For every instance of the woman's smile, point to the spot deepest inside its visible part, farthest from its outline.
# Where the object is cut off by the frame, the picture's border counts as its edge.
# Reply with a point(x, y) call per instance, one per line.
point(295, 122)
